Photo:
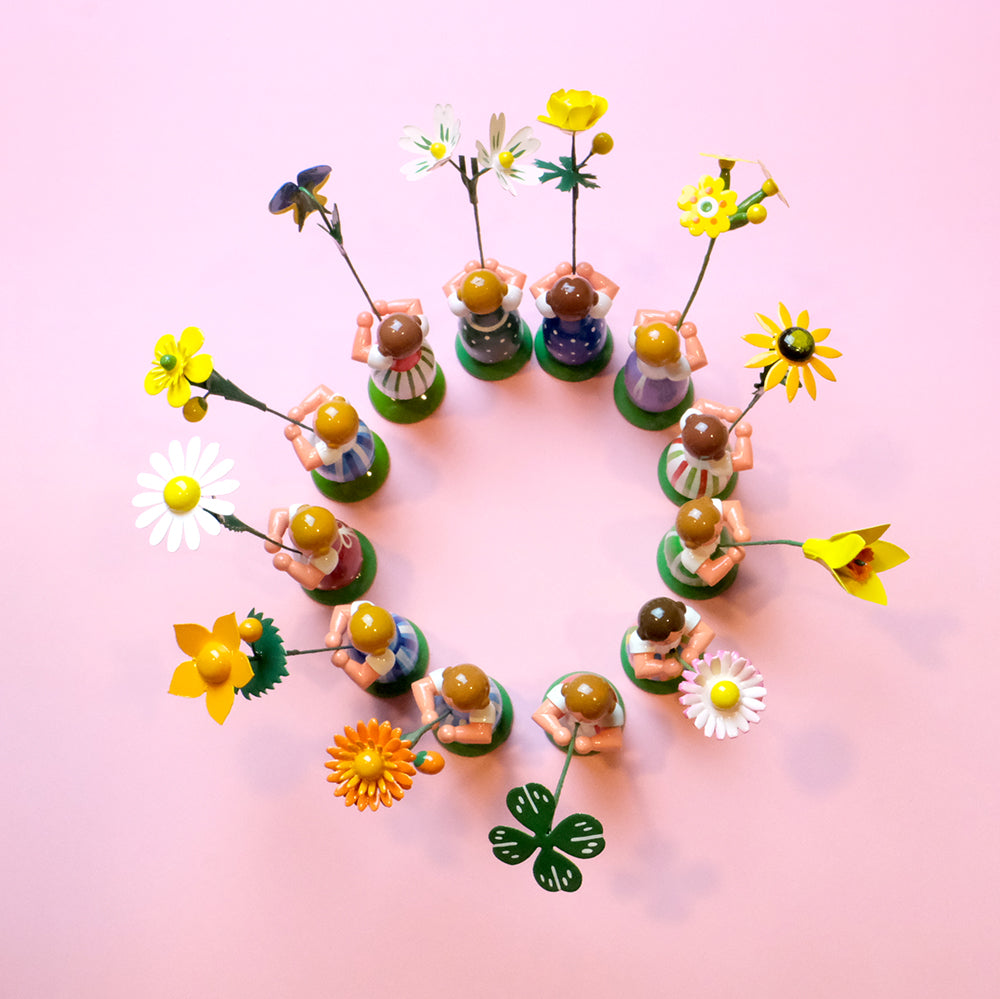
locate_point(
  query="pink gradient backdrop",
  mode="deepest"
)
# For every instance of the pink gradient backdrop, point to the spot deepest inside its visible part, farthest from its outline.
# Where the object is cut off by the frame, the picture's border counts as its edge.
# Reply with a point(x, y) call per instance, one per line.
point(846, 847)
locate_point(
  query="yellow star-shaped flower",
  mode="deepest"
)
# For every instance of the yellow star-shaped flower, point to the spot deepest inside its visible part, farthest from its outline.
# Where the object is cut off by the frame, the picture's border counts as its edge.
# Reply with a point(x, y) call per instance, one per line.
point(176, 364)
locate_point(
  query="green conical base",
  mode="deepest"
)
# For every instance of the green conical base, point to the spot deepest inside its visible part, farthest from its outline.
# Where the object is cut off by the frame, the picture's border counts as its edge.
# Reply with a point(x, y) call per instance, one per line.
point(502, 369)
point(408, 410)
point(692, 592)
point(642, 418)
point(572, 372)
point(362, 487)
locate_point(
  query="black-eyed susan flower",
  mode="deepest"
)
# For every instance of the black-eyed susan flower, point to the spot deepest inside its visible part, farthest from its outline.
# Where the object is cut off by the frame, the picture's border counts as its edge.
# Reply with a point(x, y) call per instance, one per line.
point(855, 559)
point(177, 363)
point(371, 765)
point(793, 350)
point(218, 667)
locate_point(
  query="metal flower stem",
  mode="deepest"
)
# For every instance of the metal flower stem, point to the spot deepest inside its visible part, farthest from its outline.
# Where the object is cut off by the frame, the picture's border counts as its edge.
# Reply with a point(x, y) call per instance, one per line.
point(576, 195)
point(776, 541)
point(418, 733)
point(758, 394)
point(569, 756)
point(697, 284)
point(343, 252)
point(471, 182)
point(233, 523)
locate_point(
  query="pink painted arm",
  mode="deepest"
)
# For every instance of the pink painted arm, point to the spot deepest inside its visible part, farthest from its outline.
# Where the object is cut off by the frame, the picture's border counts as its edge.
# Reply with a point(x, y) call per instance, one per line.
point(547, 718)
point(340, 616)
point(600, 281)
point(743, 452)
point(277, 524)
point(423, 693)
point(607, 738)
point(472, 734)
point(711, 408)
point(545, 284)
point(304, 451)
point(732, 514)
point(699, 640)
point(714, 570)
point(363, 336)
point(692, 346)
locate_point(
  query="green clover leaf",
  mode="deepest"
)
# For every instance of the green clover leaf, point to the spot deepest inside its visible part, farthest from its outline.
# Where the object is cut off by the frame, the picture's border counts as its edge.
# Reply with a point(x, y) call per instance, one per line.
point(566, 173)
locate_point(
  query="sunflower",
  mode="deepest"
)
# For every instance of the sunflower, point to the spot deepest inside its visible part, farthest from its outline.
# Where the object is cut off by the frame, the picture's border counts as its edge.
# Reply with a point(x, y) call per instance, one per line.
point(793, 350)
point(371, 766)
point(855, 558)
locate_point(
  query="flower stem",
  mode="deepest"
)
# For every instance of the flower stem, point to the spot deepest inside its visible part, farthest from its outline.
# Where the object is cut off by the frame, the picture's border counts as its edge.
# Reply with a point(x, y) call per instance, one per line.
point(471, 183)
point(417, 734)
point(343, 251)
point(569, 756)
point(233, 523)
point(697, 284)
point(776, 541)
point(576, 194)
point(308, 652)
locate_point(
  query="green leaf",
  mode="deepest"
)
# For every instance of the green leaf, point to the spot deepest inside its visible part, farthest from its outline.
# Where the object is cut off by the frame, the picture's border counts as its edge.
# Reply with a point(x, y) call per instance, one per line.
point(217, 385)
point(579, 835)
point(267, 659)
point(554, 872)
point(533, 806)
point(512, 846)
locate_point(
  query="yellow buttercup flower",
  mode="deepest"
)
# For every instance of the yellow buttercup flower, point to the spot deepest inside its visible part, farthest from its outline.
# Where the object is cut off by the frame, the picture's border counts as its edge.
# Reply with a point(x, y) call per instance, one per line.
point(574, 110)
point(707, 206)
point(855, 558)
point(372, 765)
point(176, 364)
point(793, 350)
point(218, 667)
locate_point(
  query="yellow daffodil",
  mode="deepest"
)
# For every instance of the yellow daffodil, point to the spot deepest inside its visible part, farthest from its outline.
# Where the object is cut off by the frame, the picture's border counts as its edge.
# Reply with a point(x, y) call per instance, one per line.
point(707, 206)
point(372, 765)
point(793, 350)
point(855, 558)
point(176, 364)
point(574, 110)
point(218, 667)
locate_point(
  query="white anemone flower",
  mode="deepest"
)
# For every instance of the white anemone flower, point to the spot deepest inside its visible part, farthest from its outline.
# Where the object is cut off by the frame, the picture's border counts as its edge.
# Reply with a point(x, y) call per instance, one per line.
point(183, 489)
point(723, 693)
point(510, 162)
point(432, 150)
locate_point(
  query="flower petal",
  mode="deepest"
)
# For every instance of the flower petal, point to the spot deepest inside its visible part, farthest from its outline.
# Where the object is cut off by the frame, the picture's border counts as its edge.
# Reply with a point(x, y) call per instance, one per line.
point(178, 392)
point(763, 360)
point(174, 533)
point(199, 368)
point(160, 528)
point(786, 316)
point(759, 340)
point(803, 319)
point(192, 340)
point(809, 380)
point(822, 369)
point(187, 681)
point(834, 552)
point(149, 515)
point(156, 380)
point(775, 373)
point(887, 556)
point(226, 630)
point(219, 700)
point(191, 638)
point(768, 324)
point(192, 536)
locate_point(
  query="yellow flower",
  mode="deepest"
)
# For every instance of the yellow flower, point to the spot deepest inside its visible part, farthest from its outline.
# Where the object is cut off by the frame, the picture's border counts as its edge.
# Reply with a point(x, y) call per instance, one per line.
point(218, 667)
point(855, 558)
point(574, 110)
point(707, 206)
point(175, 366)
point(371, 765)
point(793, 350)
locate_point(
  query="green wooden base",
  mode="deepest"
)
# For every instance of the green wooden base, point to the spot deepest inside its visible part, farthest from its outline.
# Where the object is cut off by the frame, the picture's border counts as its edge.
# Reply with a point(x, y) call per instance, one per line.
point(408, 410)
point(572, 372)
point(403, 684)
point(501, 369)
point(500, 733)
point(357, 587)
point(644, 419)
point(361, 487)
point(692, 592)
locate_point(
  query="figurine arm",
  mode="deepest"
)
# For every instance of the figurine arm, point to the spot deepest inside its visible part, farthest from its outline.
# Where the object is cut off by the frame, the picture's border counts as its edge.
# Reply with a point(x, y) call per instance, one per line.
point(692, 346)
point(700, 638)
point(710, 408)
point(304, 573)
point(601, 282)
point(454, 283)
point(732, 513)
point(424, 692)
point(545, 284)
point(547, 718)
point(643, 317)
point(277, 524)
point(340, 617)
point(509, 274)
point(471, 734)
point(363, 336)
point(743, 452)
point(647, 667)
point(607, 738)
point(714, 570)
point(409, 306)
point(304, 451)
point(311, 402)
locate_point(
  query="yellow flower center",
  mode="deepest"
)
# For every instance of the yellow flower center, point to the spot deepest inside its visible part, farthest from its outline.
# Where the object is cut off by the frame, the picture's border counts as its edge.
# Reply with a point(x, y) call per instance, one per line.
point(725, 695)
point(181, 494)
point(214, 662)
point(438, 150)
point(506, 159)
point(369, 765)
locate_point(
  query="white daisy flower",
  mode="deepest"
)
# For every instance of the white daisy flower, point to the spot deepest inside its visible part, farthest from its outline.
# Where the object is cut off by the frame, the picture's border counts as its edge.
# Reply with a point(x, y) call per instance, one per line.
point(177, 504)
point(432, 150)
point(723, 693)
point(511, 162)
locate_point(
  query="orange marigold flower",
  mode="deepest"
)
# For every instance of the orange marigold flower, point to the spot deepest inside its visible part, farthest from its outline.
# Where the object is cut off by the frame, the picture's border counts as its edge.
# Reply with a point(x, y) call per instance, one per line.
point(372, 765)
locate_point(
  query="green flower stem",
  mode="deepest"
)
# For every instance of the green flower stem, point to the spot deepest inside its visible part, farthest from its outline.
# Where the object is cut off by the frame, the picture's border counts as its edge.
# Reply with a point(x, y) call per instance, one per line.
point(569, 756)
point(215, 384)
point(757, 396)
point(339, 240)
point(233, 523)
point(776, 541)
point(309, 652)
point(697, 284)
point(471, 182)
point(576, 195)
point(418, 733)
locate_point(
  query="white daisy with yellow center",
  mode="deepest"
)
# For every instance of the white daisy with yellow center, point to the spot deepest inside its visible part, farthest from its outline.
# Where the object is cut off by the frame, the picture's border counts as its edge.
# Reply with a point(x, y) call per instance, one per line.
point(511, 162)
point(434, 149)
point(723, 694)
point(184, 487)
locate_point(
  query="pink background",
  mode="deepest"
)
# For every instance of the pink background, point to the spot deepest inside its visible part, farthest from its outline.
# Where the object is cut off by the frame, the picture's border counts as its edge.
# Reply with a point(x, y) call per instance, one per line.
point(846, 846)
